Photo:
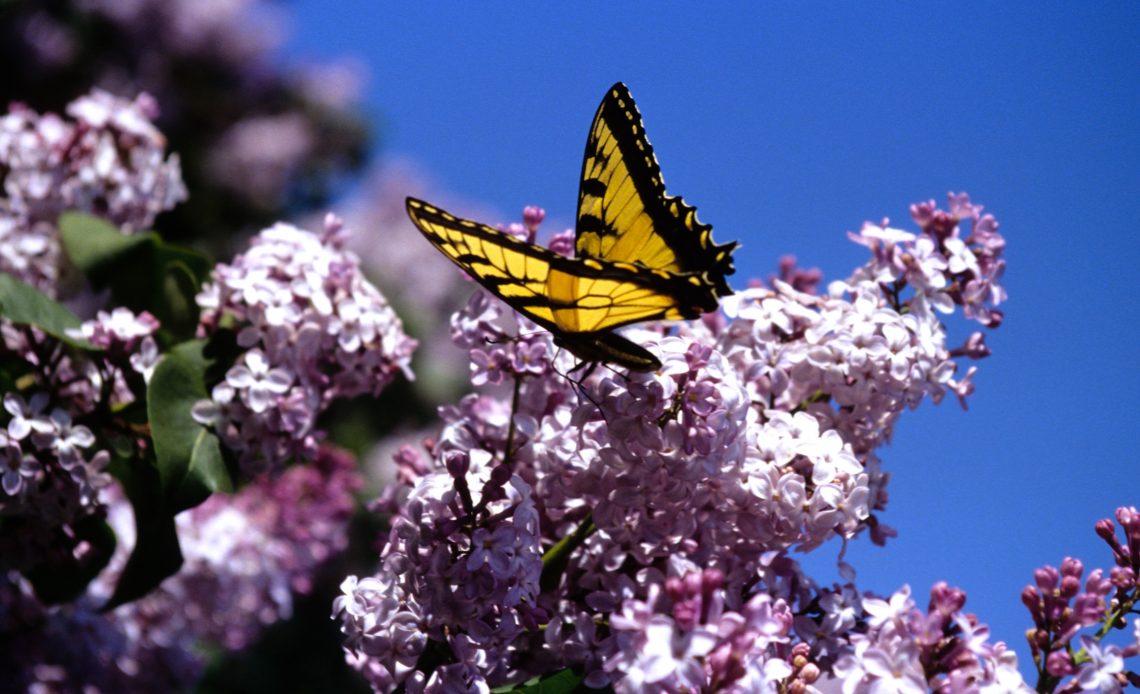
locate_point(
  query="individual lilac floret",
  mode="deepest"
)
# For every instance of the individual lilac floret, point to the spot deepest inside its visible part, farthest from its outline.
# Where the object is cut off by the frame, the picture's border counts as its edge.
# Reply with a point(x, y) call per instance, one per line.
point(108, 161)
point(315, 331)
point(246, 557)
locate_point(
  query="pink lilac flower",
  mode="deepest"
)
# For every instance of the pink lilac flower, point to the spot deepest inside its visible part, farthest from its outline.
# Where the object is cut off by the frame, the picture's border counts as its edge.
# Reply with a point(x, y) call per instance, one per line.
point(108, 160)
point(314, 329)
point(757, 436)
point(904, 649)
point(246, 558)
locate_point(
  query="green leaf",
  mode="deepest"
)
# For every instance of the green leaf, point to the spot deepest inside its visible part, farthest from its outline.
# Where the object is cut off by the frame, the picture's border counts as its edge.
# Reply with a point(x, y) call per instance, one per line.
point(66, 579)
point(143, 272)
point(189, 455)
point(156, 554)
point(23, 304)
point(561, 682)
point(96, 247)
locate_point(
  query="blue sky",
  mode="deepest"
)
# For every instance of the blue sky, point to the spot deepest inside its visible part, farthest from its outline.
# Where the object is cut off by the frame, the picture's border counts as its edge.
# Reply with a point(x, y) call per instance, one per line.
point(788, 125)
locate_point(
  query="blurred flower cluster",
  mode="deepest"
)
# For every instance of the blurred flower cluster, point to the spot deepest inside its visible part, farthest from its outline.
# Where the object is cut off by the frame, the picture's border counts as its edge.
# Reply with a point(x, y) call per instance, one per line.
point(246, 558)
point(312, 330)
point(108, 160)
point(619, 500)
point(258, 138)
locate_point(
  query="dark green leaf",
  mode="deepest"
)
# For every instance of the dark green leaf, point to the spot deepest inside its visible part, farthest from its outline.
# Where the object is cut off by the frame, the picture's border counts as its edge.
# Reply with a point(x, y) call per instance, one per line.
point(561, 682)
point(143, 272)
point(179, 287)
point(156, 554)
point(96, 247)
point(190, 463)
point(23, 304)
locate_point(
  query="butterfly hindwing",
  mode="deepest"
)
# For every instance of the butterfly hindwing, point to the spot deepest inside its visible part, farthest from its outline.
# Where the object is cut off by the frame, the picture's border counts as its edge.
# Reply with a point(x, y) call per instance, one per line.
point(623, 211)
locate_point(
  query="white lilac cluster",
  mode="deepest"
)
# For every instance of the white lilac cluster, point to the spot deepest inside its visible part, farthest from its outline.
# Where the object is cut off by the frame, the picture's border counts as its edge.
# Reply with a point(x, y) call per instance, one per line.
point(313, 330)
point(108, 160)
point(51, 470)
point(757, 436)
point(246, 557)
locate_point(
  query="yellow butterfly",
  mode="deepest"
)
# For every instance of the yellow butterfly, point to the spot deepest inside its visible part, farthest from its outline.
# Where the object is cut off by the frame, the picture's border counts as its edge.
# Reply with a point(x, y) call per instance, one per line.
point(641, 254)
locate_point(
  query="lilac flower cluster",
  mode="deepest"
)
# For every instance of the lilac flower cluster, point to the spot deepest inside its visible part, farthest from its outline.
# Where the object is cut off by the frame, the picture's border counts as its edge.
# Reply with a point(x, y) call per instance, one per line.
point(904, 649)
point(286, 133)
point(1061, 610)
point(403, 260)
point(246, 556)
point(313, 330)
point(108, 161)
point(758, 435)
point(52, 470)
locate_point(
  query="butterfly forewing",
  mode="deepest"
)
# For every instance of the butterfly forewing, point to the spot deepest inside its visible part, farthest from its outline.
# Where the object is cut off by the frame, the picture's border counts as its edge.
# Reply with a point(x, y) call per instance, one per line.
point(576, 295)
point(623, 211)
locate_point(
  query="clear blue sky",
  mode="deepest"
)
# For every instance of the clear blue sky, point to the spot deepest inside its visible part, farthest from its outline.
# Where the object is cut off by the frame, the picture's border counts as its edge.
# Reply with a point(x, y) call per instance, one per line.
point(788, 127)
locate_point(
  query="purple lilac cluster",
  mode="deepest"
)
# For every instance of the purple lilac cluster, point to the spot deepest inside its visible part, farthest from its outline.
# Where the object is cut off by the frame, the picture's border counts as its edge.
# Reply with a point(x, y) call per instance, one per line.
point(1061, 610)
point(246, 556)
point(52, 473)
point(404, 260)
point(903, 649)
point(757, 436)
point(108, 160)
point(313, 330)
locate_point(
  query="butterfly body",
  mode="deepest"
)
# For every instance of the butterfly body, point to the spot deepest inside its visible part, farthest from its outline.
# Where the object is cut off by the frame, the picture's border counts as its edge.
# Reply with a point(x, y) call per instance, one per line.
point(641, 255)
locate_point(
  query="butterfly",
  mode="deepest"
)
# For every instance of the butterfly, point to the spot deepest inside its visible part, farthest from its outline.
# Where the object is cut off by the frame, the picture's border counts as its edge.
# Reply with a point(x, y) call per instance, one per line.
point(640, 254)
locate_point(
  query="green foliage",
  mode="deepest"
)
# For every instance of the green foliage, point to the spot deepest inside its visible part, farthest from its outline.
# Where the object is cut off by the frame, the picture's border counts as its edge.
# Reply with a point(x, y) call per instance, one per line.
point(561, 682)
point(190, 461)
point(156, 554)
point(23, 304)
point(143, 272)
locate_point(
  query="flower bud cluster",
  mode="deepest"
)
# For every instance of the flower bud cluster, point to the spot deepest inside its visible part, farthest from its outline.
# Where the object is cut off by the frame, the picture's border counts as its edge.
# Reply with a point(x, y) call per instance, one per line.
point(313, 330)
point(1061, 609)
point(108, 160)
point(758, 435)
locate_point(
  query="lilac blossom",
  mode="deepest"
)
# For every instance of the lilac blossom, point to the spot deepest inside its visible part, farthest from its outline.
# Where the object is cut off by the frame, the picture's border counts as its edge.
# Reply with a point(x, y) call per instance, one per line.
point(108, 160)
point(904, 649)
point(757, 436)
point(246, 558)
point(314, 330)
point(53, 468)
